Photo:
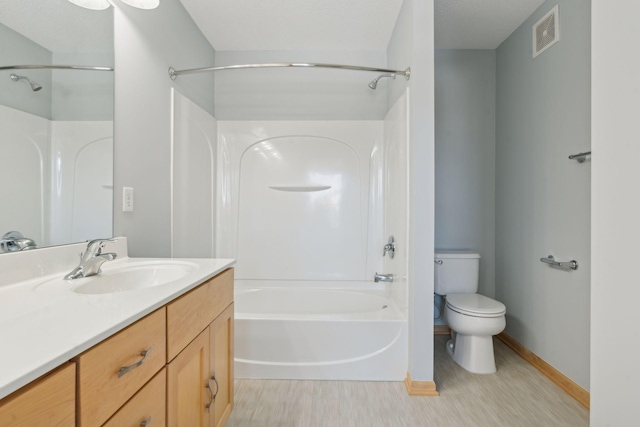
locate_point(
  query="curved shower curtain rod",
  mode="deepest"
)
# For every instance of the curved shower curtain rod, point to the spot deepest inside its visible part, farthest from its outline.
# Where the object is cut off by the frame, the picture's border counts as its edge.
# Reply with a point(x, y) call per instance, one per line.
point(54, 67)
point(173, 73)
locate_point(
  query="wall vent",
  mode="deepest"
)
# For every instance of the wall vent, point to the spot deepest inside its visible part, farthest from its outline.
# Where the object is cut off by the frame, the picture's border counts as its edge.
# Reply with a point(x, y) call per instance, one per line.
point(546, 32)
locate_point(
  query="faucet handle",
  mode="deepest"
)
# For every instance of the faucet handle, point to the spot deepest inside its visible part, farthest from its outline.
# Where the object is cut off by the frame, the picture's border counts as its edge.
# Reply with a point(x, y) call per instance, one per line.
point(390, 248)
point(94, 247)
point(109, 239)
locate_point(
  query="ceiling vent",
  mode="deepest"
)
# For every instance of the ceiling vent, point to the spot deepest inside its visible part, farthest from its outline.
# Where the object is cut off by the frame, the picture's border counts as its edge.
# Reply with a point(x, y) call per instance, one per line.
point(546, 32)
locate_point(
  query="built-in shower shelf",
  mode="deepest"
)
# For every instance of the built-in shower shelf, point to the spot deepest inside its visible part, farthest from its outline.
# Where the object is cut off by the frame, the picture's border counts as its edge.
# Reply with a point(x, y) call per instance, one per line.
point(109, 186)
point(300, 188)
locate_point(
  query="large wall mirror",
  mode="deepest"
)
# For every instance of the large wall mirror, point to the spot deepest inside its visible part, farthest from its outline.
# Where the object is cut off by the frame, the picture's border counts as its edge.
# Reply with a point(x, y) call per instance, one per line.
point(56, 125)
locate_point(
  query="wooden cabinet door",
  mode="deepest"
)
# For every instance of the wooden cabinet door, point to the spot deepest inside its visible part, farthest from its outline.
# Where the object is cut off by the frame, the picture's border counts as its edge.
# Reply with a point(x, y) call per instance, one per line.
point(221, 338)
point(187, 392)
point(49, 401)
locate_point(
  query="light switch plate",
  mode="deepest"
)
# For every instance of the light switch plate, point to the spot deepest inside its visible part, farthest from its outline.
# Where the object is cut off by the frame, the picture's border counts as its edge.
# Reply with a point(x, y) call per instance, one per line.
point(127, 199)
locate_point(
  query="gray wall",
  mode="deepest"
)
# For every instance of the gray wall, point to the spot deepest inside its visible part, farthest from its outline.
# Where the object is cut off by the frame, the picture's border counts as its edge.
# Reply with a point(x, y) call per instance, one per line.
point(83, 95)
point(465, 91)
point(18, 50)
point(299, 93)
point(147, 42)
point(542, 198)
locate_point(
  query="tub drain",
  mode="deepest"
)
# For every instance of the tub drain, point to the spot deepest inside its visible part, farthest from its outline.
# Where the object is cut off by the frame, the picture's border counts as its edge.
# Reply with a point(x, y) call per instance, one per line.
point(384, 306)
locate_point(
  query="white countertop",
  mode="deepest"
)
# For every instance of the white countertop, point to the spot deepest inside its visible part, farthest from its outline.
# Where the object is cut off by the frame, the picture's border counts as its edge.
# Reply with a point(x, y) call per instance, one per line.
point(40, 329)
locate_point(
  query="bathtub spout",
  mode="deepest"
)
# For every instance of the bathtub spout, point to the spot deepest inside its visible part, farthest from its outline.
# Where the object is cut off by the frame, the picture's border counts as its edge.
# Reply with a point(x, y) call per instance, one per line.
point(383, 278)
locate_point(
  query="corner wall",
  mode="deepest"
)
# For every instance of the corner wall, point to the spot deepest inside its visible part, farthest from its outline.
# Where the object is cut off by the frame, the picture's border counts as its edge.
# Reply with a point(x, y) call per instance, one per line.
point(411, 45)
point(542, 197)
point(465, 149)
point(147, 42)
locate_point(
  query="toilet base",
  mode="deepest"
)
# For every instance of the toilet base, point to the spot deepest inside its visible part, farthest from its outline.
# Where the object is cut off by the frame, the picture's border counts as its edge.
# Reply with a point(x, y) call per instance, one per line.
point(474, 353)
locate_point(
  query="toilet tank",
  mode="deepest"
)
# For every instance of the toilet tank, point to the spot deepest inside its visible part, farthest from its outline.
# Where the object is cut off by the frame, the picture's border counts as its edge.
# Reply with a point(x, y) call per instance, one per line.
point(456, 272)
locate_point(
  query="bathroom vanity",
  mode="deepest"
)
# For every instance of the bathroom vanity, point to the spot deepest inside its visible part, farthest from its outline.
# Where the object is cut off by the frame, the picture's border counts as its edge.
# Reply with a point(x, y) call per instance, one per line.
point(151, 356)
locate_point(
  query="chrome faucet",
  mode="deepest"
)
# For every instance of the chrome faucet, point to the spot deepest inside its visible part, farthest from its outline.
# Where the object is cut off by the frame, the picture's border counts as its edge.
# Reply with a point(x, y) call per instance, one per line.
point(14, 241)
point(92, 259)
point(383, 278)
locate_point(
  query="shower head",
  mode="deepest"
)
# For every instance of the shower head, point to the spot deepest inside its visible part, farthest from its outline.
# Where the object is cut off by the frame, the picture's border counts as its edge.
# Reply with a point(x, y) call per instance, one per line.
point(34, 86)
point(374, 83)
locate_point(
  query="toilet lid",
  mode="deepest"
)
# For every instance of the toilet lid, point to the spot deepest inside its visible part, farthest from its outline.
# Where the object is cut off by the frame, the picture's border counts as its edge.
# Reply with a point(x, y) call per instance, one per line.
point(475, 305)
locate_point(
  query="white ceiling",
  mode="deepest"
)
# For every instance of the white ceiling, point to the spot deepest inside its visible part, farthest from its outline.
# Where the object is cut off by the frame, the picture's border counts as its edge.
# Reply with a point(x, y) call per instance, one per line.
point(479, 24)
point(59, 25)
point(295, 24)
point(350, 24)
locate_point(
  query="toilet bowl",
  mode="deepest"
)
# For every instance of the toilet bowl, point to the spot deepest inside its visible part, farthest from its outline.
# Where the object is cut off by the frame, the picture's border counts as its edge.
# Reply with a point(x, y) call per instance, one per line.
point(474, 319)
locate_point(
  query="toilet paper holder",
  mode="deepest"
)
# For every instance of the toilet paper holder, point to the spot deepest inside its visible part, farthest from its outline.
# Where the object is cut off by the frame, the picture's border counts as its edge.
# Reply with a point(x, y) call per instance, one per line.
point(569, 265)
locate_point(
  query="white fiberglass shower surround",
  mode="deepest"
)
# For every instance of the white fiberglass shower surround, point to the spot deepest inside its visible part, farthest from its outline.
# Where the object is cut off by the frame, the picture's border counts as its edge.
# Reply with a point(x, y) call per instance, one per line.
point(304, 208)
point(60, 165)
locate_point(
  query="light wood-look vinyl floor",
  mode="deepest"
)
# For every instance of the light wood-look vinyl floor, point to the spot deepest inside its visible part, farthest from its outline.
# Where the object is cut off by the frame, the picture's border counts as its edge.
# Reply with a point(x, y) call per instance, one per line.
point(517, 395)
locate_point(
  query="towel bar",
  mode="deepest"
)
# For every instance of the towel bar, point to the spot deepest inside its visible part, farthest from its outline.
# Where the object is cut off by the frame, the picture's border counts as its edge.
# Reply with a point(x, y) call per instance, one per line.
point(570, 265)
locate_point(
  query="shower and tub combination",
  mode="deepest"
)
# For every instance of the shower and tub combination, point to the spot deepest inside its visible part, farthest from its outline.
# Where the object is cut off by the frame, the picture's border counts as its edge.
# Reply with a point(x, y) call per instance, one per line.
point(307, 208)
point(306, 200)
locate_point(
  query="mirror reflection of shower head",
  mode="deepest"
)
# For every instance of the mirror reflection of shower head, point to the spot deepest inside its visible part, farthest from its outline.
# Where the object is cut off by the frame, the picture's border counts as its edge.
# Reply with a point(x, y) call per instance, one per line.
point(374, 83)
point(34, 86)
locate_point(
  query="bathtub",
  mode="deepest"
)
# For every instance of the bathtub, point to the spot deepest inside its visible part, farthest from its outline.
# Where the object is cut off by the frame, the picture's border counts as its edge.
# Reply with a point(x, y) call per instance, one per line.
point(318, 330)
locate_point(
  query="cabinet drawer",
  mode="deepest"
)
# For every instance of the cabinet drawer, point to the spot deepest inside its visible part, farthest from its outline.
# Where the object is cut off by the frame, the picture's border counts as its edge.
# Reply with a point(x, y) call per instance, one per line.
point(49, 401)
point(112, 371)
point(193, 312)
point(146, 408)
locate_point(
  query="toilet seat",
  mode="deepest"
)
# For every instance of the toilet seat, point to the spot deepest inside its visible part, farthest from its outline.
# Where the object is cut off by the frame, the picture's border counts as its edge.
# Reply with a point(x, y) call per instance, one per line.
point(475, 305)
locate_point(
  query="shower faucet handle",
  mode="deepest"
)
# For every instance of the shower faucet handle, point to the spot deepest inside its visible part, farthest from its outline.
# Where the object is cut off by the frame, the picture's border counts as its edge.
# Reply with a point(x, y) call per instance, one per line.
point(390, 248)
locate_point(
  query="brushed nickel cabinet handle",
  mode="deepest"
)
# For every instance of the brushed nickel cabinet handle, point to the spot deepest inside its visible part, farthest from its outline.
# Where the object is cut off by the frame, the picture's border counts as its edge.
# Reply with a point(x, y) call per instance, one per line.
point(146, 422)
point(126, 369)
point(213, 396)
point(217, 387)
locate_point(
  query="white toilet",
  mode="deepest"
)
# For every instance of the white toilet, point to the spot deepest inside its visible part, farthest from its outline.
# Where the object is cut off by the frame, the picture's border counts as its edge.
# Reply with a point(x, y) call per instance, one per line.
point(473, 318)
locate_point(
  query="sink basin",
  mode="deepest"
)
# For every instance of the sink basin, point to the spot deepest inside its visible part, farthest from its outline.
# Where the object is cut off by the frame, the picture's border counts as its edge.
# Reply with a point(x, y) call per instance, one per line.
point(132, 278)
point(124, 278)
